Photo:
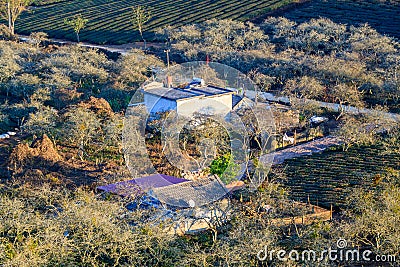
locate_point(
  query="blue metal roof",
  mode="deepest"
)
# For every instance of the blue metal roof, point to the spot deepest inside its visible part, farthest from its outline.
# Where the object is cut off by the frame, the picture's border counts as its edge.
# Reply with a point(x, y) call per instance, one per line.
point(178, 93)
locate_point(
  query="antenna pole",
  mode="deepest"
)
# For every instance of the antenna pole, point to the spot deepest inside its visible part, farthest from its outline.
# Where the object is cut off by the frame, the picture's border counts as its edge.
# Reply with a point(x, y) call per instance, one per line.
point(167, 51)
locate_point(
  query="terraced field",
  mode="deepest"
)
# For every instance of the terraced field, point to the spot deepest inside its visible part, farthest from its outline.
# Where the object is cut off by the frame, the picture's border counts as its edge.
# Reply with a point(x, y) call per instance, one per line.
point(384, 16)
point(330, 176)
point(109, 21)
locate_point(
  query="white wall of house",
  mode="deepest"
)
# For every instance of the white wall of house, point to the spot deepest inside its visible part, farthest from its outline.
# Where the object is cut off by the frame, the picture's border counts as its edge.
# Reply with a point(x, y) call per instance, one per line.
point(158, 104)
point(221, 104)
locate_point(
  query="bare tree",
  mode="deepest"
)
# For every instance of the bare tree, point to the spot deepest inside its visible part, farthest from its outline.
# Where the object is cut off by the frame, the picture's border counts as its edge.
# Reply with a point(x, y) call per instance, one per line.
point(11, 9)
point(367, 129)
point(83, 127)
point(38, 38)
point(139, 18)
point(375, 215)
point(345, 94)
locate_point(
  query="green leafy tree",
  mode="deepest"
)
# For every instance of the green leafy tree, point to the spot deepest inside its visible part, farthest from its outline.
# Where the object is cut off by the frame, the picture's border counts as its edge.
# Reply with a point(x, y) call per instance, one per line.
point(225, 168)
point(77, 24)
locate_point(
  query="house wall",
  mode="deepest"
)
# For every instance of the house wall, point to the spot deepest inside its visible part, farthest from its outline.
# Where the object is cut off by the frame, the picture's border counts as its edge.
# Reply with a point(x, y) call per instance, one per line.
point(156, 104)
point(221, 104)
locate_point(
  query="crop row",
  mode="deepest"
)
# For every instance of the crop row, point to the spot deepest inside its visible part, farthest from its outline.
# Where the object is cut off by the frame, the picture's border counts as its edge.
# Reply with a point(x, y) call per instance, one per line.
point(329, 177)
point(109, 21)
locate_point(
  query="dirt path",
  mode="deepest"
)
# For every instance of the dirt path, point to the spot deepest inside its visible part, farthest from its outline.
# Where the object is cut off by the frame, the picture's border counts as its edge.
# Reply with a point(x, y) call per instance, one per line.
point(121, 49)
point(305, 149)
point(315, 146)
point(332, 106)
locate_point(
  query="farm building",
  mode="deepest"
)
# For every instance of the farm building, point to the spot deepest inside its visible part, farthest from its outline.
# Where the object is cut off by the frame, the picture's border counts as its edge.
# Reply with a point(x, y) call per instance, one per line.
point(192, 193)
point(172, 191)
point(141, 185)
point(195, 97)
point(171, 197)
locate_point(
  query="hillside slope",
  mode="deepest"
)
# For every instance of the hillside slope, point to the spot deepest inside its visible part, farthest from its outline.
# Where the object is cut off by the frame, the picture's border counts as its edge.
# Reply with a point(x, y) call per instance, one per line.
point(110, 21)
point(384, 16)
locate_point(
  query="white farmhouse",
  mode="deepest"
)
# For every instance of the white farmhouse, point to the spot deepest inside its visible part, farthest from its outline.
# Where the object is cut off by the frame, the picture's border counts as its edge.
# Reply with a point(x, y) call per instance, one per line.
point(195, 97)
